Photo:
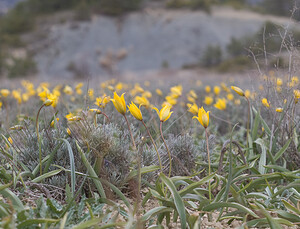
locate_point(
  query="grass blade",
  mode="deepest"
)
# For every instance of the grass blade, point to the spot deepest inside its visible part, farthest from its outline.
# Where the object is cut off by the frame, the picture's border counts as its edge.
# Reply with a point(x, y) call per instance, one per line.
point(146, 169)
point(153, 212)
point(92, 172)
point(30, 222)
point(72, 165)
point(4, 186)
point(46, 175)
point(16, 202)
point(263, 157)
point(215, 206)
point(177, 199)
point(282, 150)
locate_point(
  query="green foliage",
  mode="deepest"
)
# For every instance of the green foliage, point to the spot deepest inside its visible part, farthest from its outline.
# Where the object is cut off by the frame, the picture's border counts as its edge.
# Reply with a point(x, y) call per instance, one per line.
point(237, 47)
point(36, 7)
point(118, 7)
point(82, 11)
point(16, 22)
point(236, 64)
point(204, 5)
point(237, 4)
point(21, 67)
point(212, 56)
point(278, 7)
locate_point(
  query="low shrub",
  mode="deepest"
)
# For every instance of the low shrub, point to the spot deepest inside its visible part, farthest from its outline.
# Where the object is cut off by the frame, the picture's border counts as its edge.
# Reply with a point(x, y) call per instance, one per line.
point(235, 64)
point(212, 56)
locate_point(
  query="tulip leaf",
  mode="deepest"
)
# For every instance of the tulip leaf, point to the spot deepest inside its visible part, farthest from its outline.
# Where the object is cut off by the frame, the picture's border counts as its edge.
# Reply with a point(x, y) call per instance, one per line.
point(91, 171)
point(72, 165)
point(218, 205)
point(46, 175)
point(177, 199)
point(263, 156)
point(282, 150)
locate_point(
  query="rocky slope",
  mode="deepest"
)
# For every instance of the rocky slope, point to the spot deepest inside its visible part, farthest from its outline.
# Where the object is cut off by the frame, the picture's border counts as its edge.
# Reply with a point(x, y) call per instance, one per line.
point(142, 40)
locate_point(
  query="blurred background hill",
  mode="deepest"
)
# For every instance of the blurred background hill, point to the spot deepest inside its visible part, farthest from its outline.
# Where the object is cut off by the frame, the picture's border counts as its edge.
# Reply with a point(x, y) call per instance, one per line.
point(88, 38)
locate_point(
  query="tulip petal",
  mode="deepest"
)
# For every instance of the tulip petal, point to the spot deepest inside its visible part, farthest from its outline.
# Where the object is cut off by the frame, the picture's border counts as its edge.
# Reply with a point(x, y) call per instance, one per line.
point(168, 116)
point(157, 111)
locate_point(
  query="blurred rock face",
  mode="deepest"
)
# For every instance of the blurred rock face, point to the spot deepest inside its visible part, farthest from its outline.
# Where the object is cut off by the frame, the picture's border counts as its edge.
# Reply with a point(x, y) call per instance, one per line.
point(140, 41)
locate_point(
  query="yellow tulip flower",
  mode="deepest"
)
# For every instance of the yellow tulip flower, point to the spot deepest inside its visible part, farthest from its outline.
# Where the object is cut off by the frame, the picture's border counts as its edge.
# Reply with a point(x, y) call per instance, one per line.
point(52, 123)
point(247, 93)
point(265, 102)
point(68, 90)
point(171, 100)
point(135, 111)
point(193, 94)
point(221, 104)
point(237, 102)
point(191, 99)
point(176, 90)
point(69, 131)
point(164, 114)
point(91, 93)
point(102, 101)
point(119, 86)
point(10, 140)
point(138, 88)
point(74, 118)
point(119, 103)
point(295, 80)
point(278, 89)
point(238, 90)
point(147, 94)
point(297, 94)
point(217, 90)
point(208, 100)
point(142, 101)
point(79, 85)
point(5, 92)
point(159, 92)
point(230, 96)
point(279, 82)
point(207, 89)
point(193, 108)
point(279, 109)
point(203, 117)
point(16, 127)
point(53, 98)
point(48, 102)
point(224, 87)
point(97, 111)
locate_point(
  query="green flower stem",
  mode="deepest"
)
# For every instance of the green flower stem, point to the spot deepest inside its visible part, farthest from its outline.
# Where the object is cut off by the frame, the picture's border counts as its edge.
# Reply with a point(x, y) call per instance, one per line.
point(248, 120)
point(95, 119)
point(38, 138)
point(169, 154)
point(160, 165)
point(132, 139)
point(209, 168)
point(139, 178)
